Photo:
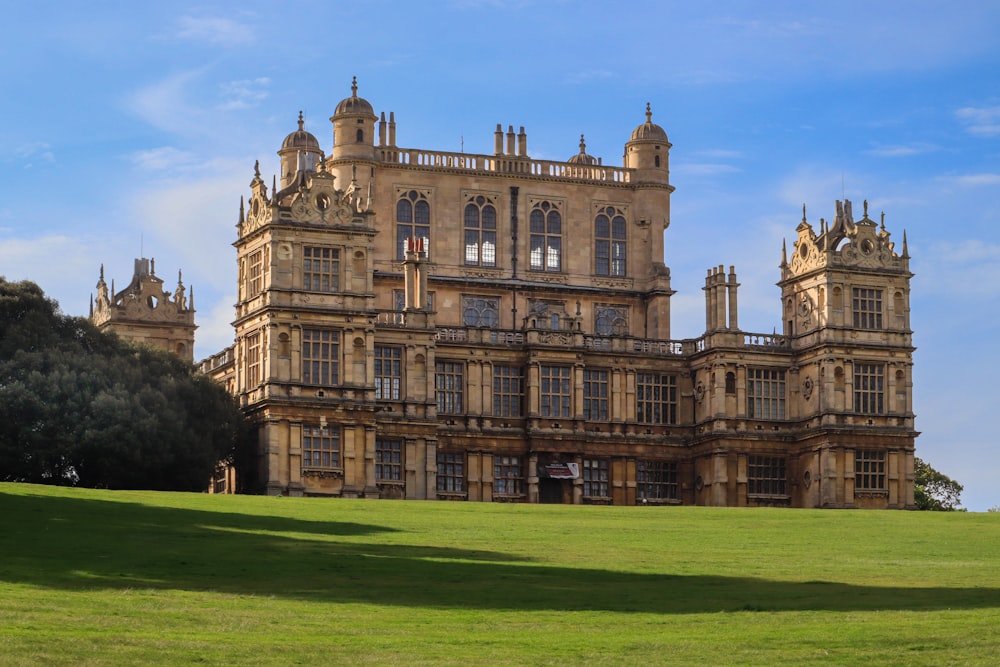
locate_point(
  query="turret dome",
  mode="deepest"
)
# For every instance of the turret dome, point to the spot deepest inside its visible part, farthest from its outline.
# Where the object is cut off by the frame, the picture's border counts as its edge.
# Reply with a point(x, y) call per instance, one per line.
point(582, 157)
point(354, 105)
point(649, 131)
point(300, 140)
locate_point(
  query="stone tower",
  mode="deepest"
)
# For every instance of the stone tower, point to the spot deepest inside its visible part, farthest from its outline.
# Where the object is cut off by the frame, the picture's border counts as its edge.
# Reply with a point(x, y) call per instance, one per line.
point(146, 313)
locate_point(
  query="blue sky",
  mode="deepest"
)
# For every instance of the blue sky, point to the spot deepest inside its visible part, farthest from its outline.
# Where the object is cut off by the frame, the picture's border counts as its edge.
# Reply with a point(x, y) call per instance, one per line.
point(132, 128)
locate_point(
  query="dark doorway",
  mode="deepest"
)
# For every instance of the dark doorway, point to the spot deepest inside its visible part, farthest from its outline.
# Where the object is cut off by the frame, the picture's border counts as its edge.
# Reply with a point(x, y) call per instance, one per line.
point(552, 491)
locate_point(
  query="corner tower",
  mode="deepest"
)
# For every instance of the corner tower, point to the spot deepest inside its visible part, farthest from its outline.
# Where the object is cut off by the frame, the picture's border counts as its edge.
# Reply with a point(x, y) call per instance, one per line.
point(146, 313)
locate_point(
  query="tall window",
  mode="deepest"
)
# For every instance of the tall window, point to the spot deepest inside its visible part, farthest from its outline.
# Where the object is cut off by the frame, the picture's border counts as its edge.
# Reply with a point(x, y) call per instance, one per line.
point(765, 393)
point(508, 476)
point(451, 472)
point(255, 273)
point(413, 220)
point(766, 476)
point(388, 372)
point(320, 447)
point(609, 242)
point(555, 391)
point(320, 356)
point(656, 398)
point(508, 391)
point(867, 308)
point(595, 478)
point(449, 387)
point(479, 311)
point(869, 470)
point(480, 232)
point(253, 360)
point(546, 238)
point(320, 269)
point(869, 389)
point(595, 395)
point(610, 320)
point(656, 480)
point(388, 460)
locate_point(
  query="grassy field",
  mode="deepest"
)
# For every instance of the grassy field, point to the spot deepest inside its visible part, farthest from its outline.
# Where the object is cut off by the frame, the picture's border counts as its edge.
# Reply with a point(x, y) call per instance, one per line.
point(126, 578)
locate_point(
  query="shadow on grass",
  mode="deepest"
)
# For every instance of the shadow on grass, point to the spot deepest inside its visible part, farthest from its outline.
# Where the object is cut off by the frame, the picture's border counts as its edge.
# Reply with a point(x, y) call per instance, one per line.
point(83, 544)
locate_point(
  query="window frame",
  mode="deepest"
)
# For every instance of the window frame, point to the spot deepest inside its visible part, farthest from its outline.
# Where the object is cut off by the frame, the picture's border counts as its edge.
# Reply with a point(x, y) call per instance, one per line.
point(449, 387)
point(323, 369)
point(767, 476)
point(555, 384)
point(870, 471)
point(656, 398)
point(413, 219)
point(596, 479)
point(328, 269)
point(545, 232)
point(868, 380)
point(485, 309)
point(766, 394)
point(319, 441)
point(508, 391)
point(480, 232)
point(450, 472)
point(867, 308)
point(388, 365)
point(389, 459)
point(596, 397)
point(610, 242)
point(508, 476)
point(656, 480)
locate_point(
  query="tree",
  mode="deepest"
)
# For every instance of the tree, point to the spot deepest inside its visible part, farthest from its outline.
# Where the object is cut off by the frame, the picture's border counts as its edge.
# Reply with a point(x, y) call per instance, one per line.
point(934, 490)
point(80, 407)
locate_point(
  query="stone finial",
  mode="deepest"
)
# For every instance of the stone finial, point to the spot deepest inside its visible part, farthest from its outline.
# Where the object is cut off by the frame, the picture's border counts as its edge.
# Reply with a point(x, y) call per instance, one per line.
point(256, 168)
point(649, 113)
point(302, 120)
point(354, 86)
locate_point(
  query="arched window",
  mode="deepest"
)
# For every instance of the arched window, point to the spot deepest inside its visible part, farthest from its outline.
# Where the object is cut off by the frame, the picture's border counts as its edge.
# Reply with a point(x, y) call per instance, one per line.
point(413, 220)
point(480, 232)
point(609, 242)
point(361, 136)
point(656, 161)
point(546, 238)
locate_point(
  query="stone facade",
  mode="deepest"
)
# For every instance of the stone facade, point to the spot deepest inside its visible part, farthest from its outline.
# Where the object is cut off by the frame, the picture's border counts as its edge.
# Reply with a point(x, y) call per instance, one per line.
point(146, 313)
point(423, 324)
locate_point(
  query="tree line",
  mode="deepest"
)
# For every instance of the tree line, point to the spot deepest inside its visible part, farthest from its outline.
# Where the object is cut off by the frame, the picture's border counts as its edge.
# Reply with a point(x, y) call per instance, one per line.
point(85, 408)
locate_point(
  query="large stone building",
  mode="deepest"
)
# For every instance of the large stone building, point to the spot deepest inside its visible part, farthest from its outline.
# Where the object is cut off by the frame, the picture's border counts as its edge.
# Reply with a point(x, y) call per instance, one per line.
point(422, 324)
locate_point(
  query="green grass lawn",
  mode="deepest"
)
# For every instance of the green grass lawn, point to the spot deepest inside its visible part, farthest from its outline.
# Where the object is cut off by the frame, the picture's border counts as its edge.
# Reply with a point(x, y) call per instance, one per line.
point(108, 578)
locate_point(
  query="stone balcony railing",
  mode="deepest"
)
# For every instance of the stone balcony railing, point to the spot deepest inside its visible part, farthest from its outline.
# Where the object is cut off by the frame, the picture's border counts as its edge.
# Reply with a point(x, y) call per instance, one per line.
point(507, 337)
point(504, 164)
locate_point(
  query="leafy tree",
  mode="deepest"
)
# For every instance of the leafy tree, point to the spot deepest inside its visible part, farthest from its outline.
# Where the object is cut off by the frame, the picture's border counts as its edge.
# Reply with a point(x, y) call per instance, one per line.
point(934, 490)
point(79, 407)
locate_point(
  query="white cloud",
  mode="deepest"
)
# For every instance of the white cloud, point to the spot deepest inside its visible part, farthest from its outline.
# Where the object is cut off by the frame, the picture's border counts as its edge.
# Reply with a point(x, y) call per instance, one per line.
point(902, 150)
point(163, 158)
point(982, 121)
point(703, 169)
point(55, 262)
point(34, 153)
point(974, 180)
point(164, 104)
point(214, 30)
point(244, 94)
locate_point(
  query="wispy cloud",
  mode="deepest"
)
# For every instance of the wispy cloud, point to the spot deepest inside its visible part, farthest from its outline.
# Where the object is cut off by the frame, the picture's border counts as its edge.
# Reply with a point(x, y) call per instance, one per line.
point(704, 169)
point(33, 154)
point(214, 30)
point(981, 121)
point(164, 105)
point(901, 150)
point(163, 158)
point(244, 94)
point(974, 180)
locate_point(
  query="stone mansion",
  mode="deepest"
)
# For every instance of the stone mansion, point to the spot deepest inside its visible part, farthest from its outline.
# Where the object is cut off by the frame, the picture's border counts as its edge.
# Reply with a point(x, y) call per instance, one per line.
point(423, 324)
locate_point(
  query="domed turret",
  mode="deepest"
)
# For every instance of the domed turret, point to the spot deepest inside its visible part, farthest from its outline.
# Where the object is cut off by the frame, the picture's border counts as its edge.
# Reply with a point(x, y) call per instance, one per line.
point(582, 157)
point(648, 151)
point(649, 131)
point(300, 151)
point(354, 127)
